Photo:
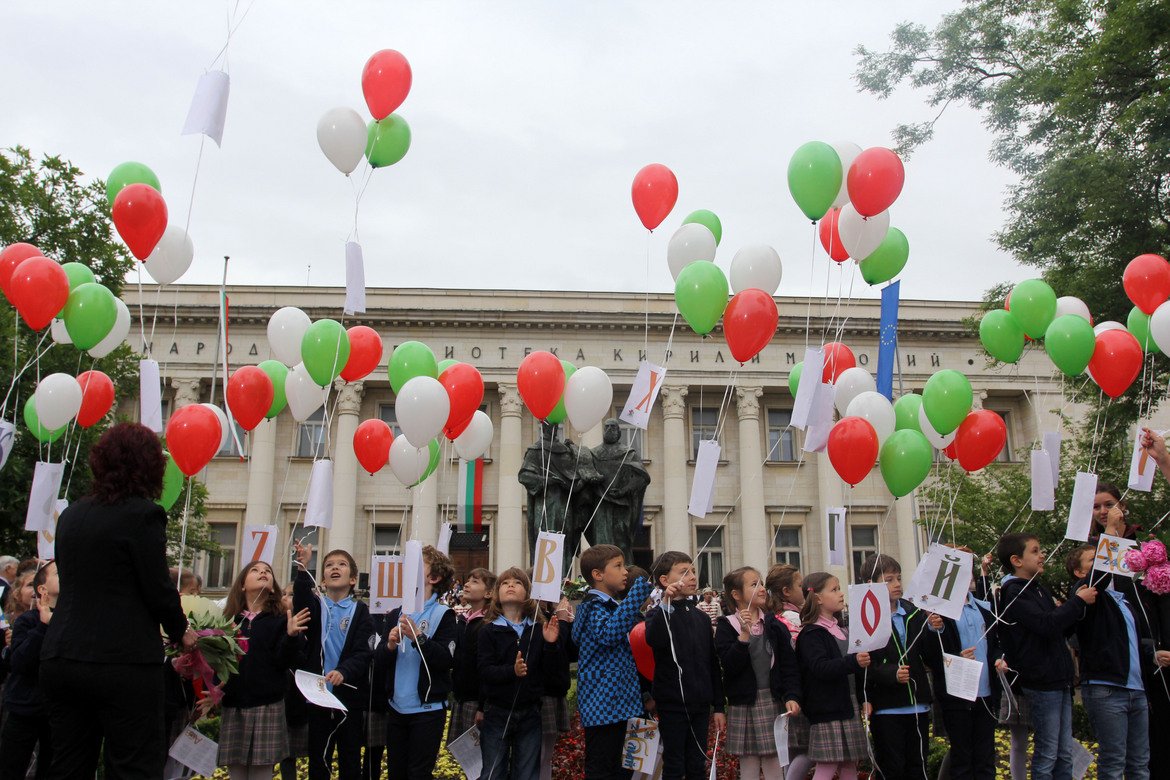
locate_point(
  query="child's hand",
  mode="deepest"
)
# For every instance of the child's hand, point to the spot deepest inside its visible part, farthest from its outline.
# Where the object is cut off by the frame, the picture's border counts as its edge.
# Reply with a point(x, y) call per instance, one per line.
point(720, 721)
point(479, 717)
point(45, 610)
point(986, 563)
point(862, 659)
point(303, 554)
point(394, 638)
point(1087, 594)
point(565, 610)
point(520, 667)
point(1155, 445)
point(866, 710)
point(903, 674)
point(792, 707)
point(935, 621)
point(552, 630)
point(671, 591)
point(745, 625)
point(1115, 521)
point(298, 623)
point(335, 678)
point(969, 653)
point(1162, 658)
point(1000, 665)
point(408, 626)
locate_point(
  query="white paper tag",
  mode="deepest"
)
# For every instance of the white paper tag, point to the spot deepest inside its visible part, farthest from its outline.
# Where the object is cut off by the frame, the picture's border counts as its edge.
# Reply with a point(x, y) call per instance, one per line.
point(467, 753)
point(834, 525)
point(47, 537)
point(643, 394)
point(209, 106)
point(941, 581)
point(640, 753)
point(150, 395)
point(7, 440)
point(385, 583)
point(319, 507)
point(1052, 441)
point(780, 735)
point(703, 487)
point(196, 751)
point(1081, 760)
point(1043, 491)
point(1080, 509)
point(316, 691)
point(1141, 466)
point(413, 578)
point(820, 420)
point(962, 676)
point(446, 531)
point(1110, 555)
point(259, 544)
point(810, 383)
point(869, 617)
point(355, 279)
point(547, 566)
point(42, 498)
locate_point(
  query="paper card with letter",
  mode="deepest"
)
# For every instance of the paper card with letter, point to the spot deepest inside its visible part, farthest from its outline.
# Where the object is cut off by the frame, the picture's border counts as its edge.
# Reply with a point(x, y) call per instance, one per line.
point(47, 537)
point(259, 544)
point(641, 749)
point(196, 751)
point(316, 690)
point(208, 110)
point(1080, 509)
point(812, 369)
point(42, 498)
point(1052, 440)
point(820, 420)
point(1043, 488)
point(869, 617)
point(386, 573)
point(643, 394)
point(941, 581)
point(446, 530)
point(150, 395)
point(414, 575)
point(547, 564)
point(467, 752)
point(1141, 467)
point(355, 279)
point(7, 439)
point(319, 507)
point(1109, 556)
point(835, 534)
point(703, 486)
point(962, 676)
point(780, 735)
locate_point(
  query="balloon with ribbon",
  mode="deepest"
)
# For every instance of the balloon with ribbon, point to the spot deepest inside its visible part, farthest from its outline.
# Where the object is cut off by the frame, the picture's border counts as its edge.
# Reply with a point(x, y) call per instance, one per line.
point(700, 293)
point(875, 180)
point(140, 216)
point(847, 152)
point(794, 378)
point(411, 464)
point(905, 461)
point(1116, 362)
point(830, 234)
point(814, 178)
point(1070, 304)
point(193, 437)
point(689, 243)
point(39, 289)
point(41, 433)
point(304, 396)
point(10, 257)
point(1138, 323)
point(906, 413)
point(654, 192)
point(126, 174)
point(1147, 282)
point(57, 400)
point(325, 351)
point(90, 313)
point(249, 395)
point(980, 439)
point(117, 334)
point(540, 381)
point(875, 408)
point(937, 440)
point(749, 322)
point(422, 408)
point(365, 353)
point(386, 80)
point(853, 449)
point(709, 219)
point(172, 483)
point(172, 257)
point(588, 398)
point(946, 400)
point(1160, 327)
point(838, 358)
point(643, 654)
point(464, 386)
point(286, 331)
point(97, 397)
point(342, 136)
point(408, 360)
point(1033, 303)
point(888, 260)
point(861, 236)
point(387, 141)
point(77, 274)
point(371, 444)
point(224, 429)
point(277, 374)
point(851, 383)
point(1001, 335)
point(476, 437)
point(756, 267)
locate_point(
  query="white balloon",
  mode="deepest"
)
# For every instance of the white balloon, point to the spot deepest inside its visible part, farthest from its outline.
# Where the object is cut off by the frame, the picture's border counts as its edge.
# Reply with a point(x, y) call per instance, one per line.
point(1070, 304)
point(57, 400)
point(422, 407)
point(588, 398)
point(341, 133)
point(408, 462)
point(1160, 327)
point(171, 257)
point(60, 332)
point(224, 432)
point(689, 243)
point(861, 236)
point(476, 437)
point(877, 409)
point(847, 151)
point(938, 441)
point(303, 394)
point(756, 267)
point(117, 334)
point(1101, 327)
point(851, 383)
point(286, 330)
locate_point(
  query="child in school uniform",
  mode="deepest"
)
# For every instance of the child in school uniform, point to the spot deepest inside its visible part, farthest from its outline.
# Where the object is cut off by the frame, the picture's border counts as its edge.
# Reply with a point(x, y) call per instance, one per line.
point(477, 592)
point(253, 735)
point(519, 655)
point(296, 709)
point(837, 740)
point(26, 721)
point(760, 675)
point(688, 684)
point(374, 733)
point(785, 600)
point(338, 647)
point(554, 707)
point(419, 650)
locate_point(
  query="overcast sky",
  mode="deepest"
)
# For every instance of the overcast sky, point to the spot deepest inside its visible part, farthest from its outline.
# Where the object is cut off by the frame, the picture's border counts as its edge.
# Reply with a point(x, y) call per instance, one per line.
point(529, 122)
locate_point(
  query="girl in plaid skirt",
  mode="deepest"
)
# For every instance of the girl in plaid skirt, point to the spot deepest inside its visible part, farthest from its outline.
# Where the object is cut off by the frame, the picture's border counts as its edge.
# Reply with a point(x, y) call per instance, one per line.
point(759, 672)
point(468, 711)
point(253, 734)
point(785, 599)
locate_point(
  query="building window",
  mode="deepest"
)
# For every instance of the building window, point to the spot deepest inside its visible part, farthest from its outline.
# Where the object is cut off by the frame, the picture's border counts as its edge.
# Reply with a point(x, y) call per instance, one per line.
point(1007, 454)
point(704, 421)
point(387, 539)
point(787, 543)
point(229, 448)
point(311, 439)
point(166, 411)
point(781, 437)
point(388, 415)
point(862, 544)
point(221, 567)
point(632, 437)
point(298, 532)
point(710, 561)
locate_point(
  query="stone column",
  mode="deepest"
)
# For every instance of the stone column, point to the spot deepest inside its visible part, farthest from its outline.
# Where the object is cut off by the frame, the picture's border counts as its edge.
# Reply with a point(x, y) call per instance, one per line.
point(754, 521)
point(186, 391)
point(261, 467)
point(509, 531)
point(345, 466)
point(675, 527)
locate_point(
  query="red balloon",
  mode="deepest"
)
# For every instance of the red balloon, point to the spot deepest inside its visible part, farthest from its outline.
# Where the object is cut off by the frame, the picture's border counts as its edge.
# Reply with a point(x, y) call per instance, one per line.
point(465, 389)
point(643, 655)
point(875, 180)
point(38, 289)
point(838, 357)
point(749, 322)
point(951, 451)
point(386, 82)
point(1147, 282)
point(193, 435)
point(540, 380)
point(831, 236)
point(1117, 361)
point(140, 215)
point(853, 448)
point(249, 395)
point(365, 353)
point(12, 256)
point(980, 439)
point(371, 444)
point(97, 396)
point(654, 192)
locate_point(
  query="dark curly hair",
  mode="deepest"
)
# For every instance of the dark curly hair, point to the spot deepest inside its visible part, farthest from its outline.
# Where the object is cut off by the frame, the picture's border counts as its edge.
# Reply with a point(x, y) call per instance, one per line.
point(127, 462)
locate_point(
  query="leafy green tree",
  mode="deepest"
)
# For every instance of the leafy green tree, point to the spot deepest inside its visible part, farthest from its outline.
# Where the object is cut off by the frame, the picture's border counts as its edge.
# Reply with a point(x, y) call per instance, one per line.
point(199, 537)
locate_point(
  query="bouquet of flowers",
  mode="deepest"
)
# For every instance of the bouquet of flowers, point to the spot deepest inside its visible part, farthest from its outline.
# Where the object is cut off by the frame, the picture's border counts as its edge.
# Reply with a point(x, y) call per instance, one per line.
point(216, 655)
point(1149, 561)
point(575, 590)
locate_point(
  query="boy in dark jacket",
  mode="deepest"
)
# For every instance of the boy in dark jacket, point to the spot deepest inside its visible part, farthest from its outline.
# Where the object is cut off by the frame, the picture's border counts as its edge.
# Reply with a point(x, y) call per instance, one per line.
point(688, 683)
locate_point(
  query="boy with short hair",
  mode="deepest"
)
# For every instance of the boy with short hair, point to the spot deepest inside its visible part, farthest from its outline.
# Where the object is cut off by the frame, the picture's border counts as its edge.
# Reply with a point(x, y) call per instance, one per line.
point(688, 682)
point(607, 679)
point(1034, 632)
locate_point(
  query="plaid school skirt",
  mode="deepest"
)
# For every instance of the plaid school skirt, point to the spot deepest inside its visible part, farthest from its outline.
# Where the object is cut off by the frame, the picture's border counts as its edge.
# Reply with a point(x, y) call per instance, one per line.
point(750, 726)
point(798, 727)
point(253, 736)
point(554, 716)
point(462, 718)
point(838, 740)
point(376, 725)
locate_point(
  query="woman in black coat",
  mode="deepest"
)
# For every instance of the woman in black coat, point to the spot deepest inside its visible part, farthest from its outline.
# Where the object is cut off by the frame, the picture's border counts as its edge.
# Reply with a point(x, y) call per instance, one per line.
point(102, 656)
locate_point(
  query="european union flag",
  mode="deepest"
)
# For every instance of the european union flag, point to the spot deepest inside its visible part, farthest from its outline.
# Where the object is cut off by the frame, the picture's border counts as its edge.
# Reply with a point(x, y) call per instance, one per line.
point(888, 340)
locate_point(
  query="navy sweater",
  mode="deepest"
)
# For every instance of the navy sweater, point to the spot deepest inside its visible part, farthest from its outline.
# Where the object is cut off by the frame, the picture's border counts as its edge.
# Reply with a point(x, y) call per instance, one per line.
point(264, 667)
point(22, 693)
point(932, 653)
point(355, 656)
point(882, 687)
point(465, 678)
point(497, 646)
point(1034, 634)
point(739, 677)
point(825, 674)
point(1102, 634)
point(438, 648)
point(683, 639)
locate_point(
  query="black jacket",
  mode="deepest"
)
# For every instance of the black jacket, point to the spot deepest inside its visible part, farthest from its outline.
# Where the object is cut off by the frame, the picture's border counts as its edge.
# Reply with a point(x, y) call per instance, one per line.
point(497, 646)
point(264, 667)
point(1102, 635)
point(826, 675)
point(379, 665)
point(354, 661)
point(113, 618)
point(465, 678)
point(1034, 634)
point(932, 653)
point(683, 639)
point(22, 693)
point(437, 648)
point(881, 682)
point(739, 678)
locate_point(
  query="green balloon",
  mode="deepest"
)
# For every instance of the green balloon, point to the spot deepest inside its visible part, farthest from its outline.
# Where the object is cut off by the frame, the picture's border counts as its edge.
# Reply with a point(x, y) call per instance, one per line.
point(39, 432)
point(905, 461)
point(387, 141)
point(700, 293)
point(278, 373)
point(906, 412)
point(1002, 336)
point(325, 350)
point(433, 463)
point(946, 399)
point(1138, 324)
point(411, 359)
point(1034, 304)
point(814, 178)
point(559, 413)
point(445, 364)
point(89, 314)
point(794, 378)
point(888, 260)
point(709, 220)
point(78, 274)
point(1070, 342)
point(172, 484)
point(129, 173)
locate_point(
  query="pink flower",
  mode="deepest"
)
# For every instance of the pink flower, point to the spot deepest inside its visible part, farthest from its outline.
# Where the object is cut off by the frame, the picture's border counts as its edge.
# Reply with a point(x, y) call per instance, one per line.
point(1135, 559)
point(1154, 551)
point(243, 643)
point(1157, 579)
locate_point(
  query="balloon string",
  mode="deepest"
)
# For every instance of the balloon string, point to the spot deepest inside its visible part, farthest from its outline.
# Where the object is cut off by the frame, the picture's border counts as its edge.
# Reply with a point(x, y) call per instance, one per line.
point(141, 318)
point(16, 377)
point(646, 335)
point(812, 263)
point(231, 32)
point(186, 518)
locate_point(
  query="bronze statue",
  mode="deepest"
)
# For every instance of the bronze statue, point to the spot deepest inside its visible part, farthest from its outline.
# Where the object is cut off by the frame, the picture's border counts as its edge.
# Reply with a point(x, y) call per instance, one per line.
point(615, 502)
point(553, 472)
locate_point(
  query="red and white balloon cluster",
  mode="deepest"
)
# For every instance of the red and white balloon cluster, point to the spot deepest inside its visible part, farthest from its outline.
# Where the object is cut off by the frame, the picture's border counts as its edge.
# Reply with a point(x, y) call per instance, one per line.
point(344, 136)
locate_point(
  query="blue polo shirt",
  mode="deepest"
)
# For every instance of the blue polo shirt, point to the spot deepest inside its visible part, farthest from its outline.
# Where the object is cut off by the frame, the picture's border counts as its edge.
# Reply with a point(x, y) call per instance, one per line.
point(338, 617)
point(1134, 681)
point(406, 700)
point(899, 619)
point(971, 634)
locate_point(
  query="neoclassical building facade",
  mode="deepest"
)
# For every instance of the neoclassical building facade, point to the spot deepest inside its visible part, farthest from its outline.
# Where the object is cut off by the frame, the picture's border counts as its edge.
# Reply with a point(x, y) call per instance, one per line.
point(770, 497)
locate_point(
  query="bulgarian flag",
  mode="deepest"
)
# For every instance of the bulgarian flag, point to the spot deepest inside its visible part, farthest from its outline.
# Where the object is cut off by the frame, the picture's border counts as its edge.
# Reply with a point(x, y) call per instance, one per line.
point(470, 503)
